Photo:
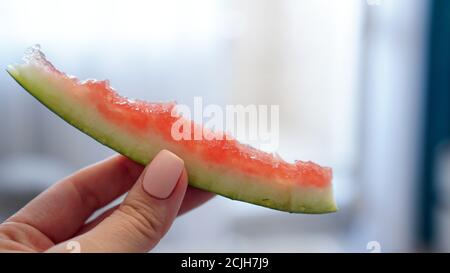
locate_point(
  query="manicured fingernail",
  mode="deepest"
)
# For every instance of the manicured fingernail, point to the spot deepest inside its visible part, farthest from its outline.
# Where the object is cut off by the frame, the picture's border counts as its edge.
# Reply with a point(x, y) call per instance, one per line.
point(162, 174)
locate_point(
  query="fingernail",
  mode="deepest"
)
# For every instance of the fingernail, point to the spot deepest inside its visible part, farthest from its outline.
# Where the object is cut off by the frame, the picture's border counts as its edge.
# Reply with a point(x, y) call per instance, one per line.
point(162, 174)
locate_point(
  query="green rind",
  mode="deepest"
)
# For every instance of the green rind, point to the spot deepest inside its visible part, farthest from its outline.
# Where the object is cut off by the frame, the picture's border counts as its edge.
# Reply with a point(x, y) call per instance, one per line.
point(204, 176)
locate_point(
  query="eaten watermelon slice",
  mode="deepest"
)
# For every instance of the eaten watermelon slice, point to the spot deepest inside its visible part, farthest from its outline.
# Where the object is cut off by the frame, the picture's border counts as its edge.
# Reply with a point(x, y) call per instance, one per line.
point(139, 130)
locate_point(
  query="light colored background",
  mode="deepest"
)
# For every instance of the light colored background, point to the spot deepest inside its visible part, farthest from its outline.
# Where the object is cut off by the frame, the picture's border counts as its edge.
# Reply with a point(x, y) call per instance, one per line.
point(347, 77)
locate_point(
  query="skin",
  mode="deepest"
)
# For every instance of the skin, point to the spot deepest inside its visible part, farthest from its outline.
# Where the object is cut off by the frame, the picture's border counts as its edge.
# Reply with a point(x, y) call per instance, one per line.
point(59, 214)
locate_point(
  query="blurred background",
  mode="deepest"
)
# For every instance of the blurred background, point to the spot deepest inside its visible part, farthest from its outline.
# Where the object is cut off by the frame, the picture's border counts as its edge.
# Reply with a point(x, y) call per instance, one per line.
point(363, 87)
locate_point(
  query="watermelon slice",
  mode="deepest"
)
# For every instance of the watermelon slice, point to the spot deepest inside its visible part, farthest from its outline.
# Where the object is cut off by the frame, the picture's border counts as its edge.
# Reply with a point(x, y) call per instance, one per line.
point(139, 130)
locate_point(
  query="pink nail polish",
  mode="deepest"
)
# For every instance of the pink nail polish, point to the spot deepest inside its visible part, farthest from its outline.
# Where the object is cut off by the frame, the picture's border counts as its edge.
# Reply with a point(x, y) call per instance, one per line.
point(162, 174)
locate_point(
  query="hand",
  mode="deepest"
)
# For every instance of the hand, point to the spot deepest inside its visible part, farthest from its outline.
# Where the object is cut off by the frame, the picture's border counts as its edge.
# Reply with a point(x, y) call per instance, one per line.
point(55, 221)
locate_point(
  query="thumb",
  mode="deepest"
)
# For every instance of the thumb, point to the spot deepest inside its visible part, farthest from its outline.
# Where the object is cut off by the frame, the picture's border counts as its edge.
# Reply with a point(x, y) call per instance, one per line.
point(145, 215)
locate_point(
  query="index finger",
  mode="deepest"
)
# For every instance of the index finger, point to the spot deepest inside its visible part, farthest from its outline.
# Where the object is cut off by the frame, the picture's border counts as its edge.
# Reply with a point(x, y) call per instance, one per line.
point(60, 211)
